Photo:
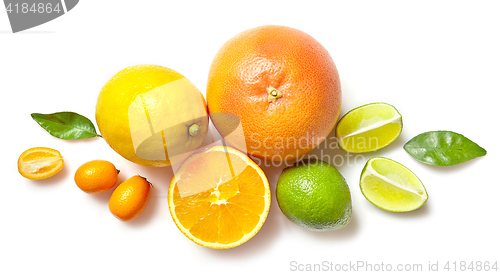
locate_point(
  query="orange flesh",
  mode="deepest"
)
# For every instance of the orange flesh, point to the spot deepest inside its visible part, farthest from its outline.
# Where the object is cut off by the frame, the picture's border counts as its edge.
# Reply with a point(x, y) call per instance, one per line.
point(213, 205)
point(40, 163)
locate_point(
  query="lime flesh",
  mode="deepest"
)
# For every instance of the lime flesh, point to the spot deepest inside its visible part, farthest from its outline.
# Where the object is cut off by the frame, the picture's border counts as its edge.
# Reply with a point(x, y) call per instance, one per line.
point(369, 128)
point(391, 186)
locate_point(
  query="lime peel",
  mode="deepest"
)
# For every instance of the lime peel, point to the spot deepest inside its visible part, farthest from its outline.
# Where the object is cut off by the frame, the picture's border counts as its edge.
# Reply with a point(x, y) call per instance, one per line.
point(314, 195)
point(379, 122)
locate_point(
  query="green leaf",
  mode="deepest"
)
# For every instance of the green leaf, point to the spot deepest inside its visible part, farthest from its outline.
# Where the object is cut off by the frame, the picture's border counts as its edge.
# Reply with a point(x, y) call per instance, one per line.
point(66, 125)
point(443, 148)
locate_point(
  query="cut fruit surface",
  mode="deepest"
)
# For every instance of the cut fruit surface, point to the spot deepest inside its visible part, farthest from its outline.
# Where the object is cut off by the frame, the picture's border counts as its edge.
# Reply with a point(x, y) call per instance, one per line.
point(219, 198)
point(369, 128)
point(39, 163)
point(391, 186)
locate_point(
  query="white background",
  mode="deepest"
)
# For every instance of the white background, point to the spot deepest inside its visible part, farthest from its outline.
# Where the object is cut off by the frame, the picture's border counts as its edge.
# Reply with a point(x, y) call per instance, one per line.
point(436, 61)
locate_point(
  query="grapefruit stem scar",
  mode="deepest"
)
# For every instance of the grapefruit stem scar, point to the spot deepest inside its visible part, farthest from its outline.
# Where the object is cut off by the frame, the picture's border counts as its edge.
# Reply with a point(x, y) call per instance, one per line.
point(273, 94)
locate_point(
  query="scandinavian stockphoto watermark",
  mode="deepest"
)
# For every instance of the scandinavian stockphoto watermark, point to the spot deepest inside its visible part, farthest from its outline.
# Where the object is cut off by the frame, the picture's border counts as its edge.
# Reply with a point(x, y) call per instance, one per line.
point(328, 150)
point(150, 142)
point(354, 266)
point(368, 266)
point(26, 14)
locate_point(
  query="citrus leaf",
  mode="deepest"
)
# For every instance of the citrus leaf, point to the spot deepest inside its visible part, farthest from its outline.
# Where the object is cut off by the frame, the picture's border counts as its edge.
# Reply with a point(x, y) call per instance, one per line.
point(66, 125)
point(443, 148)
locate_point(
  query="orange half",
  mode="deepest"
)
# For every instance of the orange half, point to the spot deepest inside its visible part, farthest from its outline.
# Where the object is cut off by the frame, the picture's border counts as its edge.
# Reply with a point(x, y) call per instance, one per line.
point(39, 163)
point(219, 198)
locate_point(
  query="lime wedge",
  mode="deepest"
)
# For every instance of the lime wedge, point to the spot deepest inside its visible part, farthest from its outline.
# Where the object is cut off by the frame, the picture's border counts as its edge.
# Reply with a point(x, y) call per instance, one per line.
point(391, 186)
point(369, 128)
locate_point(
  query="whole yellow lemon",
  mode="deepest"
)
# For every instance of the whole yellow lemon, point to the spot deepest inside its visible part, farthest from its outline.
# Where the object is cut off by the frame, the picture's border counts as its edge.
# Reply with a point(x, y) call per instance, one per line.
point(151, 115)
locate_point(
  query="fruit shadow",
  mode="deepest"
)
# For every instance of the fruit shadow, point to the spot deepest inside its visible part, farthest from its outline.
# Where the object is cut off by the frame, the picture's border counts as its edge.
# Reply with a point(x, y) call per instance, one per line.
point(103, 198)
point(157, 197)
point(396, 145)
point(421, 212)
point(160, 180)
point(449, 169)
point(347, 232)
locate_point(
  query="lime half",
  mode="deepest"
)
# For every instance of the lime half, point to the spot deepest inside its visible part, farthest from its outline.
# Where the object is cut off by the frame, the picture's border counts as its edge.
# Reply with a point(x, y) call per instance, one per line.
point(369, 128)
point(391, 186)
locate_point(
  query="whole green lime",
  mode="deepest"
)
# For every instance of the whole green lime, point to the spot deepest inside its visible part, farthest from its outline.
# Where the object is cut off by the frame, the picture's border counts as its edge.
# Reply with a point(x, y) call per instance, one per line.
point(313, 194)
